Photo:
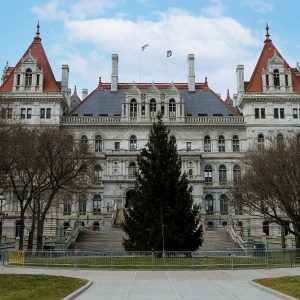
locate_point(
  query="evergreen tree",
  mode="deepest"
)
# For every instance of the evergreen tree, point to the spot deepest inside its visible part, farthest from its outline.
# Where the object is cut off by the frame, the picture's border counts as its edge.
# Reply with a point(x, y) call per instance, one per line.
point(162, 214)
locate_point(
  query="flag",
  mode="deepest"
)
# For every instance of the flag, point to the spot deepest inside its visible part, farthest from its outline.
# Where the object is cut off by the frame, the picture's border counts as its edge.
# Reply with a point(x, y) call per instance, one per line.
point(169, 53)
point(144, 47)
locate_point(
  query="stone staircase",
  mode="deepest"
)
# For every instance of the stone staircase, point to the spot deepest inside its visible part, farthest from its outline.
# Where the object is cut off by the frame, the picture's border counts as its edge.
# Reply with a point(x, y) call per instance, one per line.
point(218, 241)
point(110, 239)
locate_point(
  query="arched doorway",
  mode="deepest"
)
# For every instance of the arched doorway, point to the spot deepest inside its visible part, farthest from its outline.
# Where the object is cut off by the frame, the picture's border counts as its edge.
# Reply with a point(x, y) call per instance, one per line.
point(210, 225)
point(96, 226)
point(128, 200)
point(18, 225)
point(66, 226)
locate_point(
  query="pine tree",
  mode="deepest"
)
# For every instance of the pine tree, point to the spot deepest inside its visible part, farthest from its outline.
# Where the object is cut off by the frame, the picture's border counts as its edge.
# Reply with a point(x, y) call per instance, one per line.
point(162, 215)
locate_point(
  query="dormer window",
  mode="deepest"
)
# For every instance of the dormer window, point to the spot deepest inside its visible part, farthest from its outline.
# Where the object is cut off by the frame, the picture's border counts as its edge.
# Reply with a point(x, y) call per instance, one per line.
point(276, 78)
point(28, 78)
point(267, 80)
point(18, 79)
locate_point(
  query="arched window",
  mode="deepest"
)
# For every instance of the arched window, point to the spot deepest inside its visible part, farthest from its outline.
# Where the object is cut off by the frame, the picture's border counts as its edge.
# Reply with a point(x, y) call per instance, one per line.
point(97, 173)
point(279, 140)
point(83, 174)
point(28, 78)
point(276, 78)
point(133, 143)
point(152, 108)
point(133, 108)
point(191, 173)
point(84, 140)
point(221, 143)
point(266, 228)
point(128, 201)
point(223, 204)
point(236, 173)
point(67, 206)
point(132, 169)
point(97, 204)
point(235, 144)
point(98, 143)
point(209, 204)
point(172, 108)
point(222, 174)
point(207, 144)
point(82, 204)
point(208, 174)
point(261, 141)
point(173, 138)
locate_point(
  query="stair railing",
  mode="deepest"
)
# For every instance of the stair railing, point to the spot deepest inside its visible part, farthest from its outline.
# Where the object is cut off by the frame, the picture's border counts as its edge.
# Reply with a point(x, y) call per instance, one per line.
point(235, 237)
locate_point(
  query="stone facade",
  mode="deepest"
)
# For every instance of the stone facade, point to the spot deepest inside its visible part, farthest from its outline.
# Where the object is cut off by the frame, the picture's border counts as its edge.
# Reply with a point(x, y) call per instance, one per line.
point(211, 134)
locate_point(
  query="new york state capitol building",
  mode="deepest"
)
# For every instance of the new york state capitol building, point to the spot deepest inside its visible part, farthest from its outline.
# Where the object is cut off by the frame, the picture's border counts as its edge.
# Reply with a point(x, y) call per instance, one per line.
point(114, 119)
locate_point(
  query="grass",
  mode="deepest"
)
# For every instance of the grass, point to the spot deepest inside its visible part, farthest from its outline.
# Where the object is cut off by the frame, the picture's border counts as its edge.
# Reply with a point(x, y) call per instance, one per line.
point(289, 285)
point(36, 287)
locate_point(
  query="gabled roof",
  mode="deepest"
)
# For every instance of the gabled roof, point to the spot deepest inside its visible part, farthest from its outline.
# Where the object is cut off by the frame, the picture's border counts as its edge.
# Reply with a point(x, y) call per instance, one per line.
point(75, 100)
point(37, 51)
point(268, 51)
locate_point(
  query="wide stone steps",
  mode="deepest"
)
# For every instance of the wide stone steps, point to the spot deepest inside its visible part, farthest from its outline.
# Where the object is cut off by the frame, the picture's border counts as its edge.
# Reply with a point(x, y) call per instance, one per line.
point(218, 241)
point(110, 239)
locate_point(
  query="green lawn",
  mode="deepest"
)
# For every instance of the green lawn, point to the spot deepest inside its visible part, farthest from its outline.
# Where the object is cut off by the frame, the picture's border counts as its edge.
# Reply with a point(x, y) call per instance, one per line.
point(37, 287)
point(289, 285)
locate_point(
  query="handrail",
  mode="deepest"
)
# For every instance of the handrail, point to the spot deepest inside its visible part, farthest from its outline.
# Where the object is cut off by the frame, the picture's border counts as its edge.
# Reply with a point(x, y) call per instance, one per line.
point(235, 237)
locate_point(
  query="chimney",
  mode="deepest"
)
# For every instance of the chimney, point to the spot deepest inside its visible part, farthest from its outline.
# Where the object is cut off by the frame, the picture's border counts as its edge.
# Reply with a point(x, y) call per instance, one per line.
point(240, 83)
point(191, 76)
point(114, 73)
point(85, 92)
point(65, 82)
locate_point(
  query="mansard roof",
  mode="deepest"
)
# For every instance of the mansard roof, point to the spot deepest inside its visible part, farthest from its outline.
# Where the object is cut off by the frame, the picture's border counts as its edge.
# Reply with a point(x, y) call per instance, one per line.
point(201, 102)
point(269, 50)
point(36, 50)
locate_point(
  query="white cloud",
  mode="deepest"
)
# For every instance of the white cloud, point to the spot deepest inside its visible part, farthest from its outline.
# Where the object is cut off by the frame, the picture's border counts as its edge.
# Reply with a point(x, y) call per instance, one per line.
point(215, 9)
point(259, 6)
point(63, 9)
point(219, 45)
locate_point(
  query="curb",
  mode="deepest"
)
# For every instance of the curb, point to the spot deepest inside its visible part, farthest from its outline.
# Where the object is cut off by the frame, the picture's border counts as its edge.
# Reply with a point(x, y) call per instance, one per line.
point(271, 291)
point(79, 291)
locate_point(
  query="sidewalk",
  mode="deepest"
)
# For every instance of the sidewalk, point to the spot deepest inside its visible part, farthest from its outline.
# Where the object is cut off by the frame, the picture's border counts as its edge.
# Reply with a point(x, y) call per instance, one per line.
point(167, 285)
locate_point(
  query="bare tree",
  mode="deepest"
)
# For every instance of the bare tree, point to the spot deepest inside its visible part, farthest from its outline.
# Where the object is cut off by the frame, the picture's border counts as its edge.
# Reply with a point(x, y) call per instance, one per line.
point(270, 185)
point(36, 165)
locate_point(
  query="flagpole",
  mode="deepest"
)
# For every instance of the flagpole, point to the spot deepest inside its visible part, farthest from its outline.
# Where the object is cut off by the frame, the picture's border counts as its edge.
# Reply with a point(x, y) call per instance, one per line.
point(141, 66)
point(166, 69)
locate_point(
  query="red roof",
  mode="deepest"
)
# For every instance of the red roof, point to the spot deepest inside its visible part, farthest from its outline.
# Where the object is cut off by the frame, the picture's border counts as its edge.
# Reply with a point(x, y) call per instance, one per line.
point(268, 51)
point(37, 51)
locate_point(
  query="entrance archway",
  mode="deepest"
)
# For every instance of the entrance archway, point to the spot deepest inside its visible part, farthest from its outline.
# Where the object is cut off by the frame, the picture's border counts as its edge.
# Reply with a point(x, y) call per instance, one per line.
point(96, 226)
point(128, 199)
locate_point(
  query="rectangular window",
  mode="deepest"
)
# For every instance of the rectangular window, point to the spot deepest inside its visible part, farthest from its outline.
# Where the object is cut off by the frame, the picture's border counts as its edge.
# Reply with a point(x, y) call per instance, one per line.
point(29, 113)
point(267, 80)
point(188, 145)
point(23, 113)
point(42, 113)
point(276, 115)
point(295, 113)
point(281, 113)
point(38, 79)
point(48, 113)
point(262, 113)
point(143, 110)
point(9, 113)
point(117, 145)
point(286, 80)
point(256, 113)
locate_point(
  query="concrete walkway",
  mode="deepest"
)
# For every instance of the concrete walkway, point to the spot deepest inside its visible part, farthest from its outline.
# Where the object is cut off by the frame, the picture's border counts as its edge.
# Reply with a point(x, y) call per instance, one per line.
point(167, 285)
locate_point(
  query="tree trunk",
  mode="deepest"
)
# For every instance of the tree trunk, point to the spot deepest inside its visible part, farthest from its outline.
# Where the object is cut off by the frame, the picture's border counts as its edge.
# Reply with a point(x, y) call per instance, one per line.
point(297, 238)
point(40, 231)
point(31, 234)
point(21, 230)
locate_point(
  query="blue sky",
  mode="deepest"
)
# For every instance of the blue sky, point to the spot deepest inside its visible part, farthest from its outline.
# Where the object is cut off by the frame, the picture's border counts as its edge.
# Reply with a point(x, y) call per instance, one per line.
point(84, 34)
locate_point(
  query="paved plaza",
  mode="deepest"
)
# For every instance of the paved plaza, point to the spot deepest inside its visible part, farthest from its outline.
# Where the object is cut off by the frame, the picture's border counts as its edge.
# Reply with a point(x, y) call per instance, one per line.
point(167, 285)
